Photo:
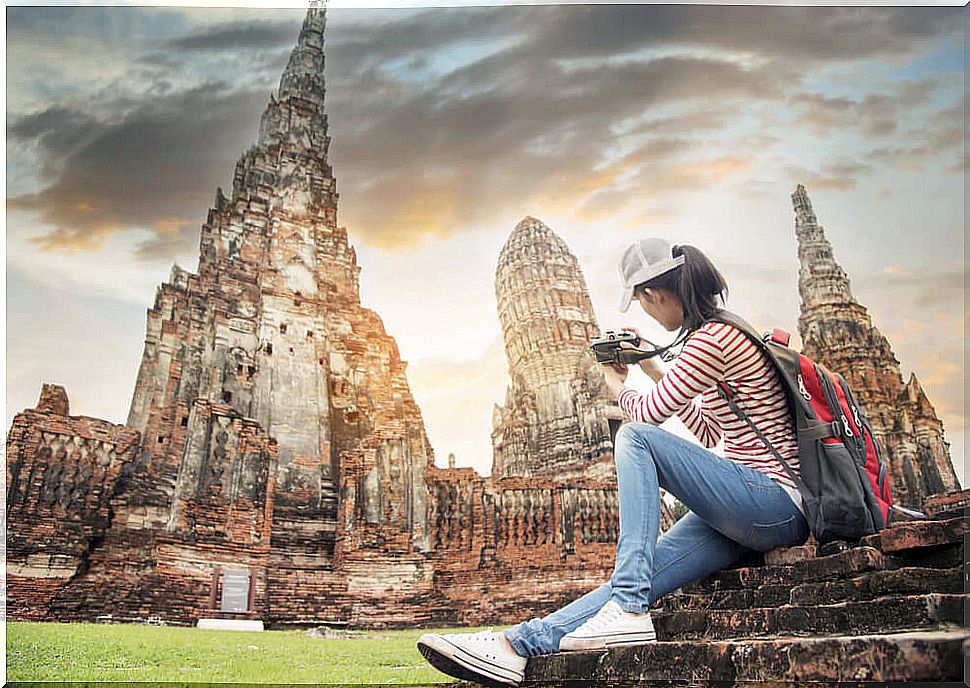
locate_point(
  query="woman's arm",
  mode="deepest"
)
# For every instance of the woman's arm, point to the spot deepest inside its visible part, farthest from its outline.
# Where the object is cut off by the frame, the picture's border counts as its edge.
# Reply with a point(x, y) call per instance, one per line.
point(704, 427)
point(699, 366)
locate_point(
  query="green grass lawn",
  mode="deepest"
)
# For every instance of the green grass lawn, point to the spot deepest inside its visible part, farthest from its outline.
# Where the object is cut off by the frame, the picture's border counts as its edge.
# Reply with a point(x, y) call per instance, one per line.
point(103, 652)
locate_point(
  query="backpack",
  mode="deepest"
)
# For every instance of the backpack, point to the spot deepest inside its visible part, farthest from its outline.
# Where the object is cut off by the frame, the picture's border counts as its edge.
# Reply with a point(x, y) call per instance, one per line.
point(843, 480)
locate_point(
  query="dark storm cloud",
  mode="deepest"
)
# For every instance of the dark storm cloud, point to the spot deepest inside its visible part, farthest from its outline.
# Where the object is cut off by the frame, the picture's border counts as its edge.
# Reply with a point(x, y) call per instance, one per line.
point(787, 33)
point(357, 42)
point(57, 131)
point(408, 149)
point(155, 169)
point(237, 35)
point(536, 93)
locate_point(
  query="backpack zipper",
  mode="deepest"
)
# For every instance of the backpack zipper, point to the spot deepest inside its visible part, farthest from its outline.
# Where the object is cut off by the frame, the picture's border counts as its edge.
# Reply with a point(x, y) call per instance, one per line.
point(832, 399)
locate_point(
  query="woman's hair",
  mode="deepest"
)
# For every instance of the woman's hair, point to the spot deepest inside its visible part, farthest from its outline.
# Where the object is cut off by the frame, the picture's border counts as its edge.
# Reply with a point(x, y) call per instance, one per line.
point(697, 283)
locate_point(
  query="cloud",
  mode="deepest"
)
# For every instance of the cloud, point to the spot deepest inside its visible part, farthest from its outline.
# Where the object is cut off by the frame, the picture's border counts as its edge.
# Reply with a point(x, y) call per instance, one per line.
point(797, 34)
point(942, 286)
point(435, 115)
point(836, 176)
point(237, 35)
point(940, 135)
point(875, 115)
point(540, 123)
point(58, 131)
point(156, 168)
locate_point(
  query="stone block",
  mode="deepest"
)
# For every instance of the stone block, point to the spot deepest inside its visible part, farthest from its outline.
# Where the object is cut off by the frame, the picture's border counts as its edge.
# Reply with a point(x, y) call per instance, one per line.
point(856, 617)
point(846, 660)
point(923, 534)
point(789, 555)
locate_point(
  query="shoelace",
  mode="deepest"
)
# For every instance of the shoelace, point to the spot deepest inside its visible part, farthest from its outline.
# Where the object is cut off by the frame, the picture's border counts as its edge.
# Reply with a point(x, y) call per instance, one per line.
point(606, 615)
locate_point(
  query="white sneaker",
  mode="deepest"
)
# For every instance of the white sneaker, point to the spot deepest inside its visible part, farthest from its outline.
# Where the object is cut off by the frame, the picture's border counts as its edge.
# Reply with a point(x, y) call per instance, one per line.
point(611, 627)
point(478, 657)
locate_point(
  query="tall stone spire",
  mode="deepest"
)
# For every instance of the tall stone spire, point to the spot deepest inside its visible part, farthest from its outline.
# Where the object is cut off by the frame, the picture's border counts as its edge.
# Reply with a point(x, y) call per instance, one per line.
point(838, 332)
point(556, 409)
point(821, 281)
point(303, 76)
point(270, 337)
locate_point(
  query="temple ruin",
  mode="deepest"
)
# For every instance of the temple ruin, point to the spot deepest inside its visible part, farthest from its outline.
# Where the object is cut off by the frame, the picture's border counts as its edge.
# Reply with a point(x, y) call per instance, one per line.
point(275, 466)
point(838, 332)
point(557, 395)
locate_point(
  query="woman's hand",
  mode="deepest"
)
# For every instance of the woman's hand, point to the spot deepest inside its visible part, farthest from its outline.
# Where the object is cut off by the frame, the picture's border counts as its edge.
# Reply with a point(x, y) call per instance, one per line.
point(615, 375)
point(649, 366)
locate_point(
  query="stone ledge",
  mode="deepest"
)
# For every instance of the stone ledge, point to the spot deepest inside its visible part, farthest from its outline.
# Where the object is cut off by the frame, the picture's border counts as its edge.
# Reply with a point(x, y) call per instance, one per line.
point(918, 656)
point(947, 503)
point(912, 535)
point(820, 570)
point(913, 580)
point(885, 614)
point(231, 624)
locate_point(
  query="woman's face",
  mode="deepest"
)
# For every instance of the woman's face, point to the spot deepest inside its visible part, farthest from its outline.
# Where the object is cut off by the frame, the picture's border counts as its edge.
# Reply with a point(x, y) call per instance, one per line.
point(663, 306)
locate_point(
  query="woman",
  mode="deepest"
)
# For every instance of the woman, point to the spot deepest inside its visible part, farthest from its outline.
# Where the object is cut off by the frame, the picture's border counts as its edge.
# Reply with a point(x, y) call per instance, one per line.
point(742, 502)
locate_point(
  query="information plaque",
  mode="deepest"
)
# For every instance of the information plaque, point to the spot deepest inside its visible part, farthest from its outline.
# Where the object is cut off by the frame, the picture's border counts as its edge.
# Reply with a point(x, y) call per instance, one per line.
point(235, 590)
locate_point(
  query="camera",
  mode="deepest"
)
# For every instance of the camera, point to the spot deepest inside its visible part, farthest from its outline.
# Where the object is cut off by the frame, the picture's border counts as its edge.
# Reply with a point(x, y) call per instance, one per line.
point(607, 348)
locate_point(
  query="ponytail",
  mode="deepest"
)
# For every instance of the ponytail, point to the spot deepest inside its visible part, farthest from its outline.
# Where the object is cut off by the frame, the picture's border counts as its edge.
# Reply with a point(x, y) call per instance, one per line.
point(697, 283)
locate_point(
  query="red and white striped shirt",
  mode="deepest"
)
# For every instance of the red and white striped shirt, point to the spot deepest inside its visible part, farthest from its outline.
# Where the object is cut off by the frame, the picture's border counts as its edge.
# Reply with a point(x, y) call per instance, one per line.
point(720, 352)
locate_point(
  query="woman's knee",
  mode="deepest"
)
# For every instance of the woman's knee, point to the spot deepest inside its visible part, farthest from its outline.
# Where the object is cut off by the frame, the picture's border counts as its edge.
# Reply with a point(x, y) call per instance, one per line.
point(637, 434)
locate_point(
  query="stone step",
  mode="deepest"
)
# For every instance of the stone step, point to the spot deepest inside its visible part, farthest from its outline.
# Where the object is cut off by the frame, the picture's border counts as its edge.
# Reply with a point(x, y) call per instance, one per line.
point(918, 534)
point(947, 504)
point(818, 570)
point(935, 544)
point(916, 656)
point(884, 614)
point(903, 581)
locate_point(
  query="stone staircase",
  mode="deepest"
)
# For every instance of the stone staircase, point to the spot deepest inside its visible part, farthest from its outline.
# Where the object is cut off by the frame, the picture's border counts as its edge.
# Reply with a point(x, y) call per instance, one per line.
point(889, 608)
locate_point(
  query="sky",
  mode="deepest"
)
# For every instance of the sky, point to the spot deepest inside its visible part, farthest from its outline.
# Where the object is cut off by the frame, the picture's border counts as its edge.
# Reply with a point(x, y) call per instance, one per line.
point(448, 126)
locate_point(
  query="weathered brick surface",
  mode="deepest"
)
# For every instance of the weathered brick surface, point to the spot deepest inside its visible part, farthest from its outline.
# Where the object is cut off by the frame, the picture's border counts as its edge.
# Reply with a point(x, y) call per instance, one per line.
point(790, 555)
point(821, 569)
point(905, 581)
point(917, 656)
point(947, 504)
point(61, 474)
point(872, 616)
point(919, 534)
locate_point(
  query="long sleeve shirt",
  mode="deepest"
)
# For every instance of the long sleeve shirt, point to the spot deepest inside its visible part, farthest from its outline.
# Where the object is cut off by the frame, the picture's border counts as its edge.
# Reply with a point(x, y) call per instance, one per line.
point(720, 352)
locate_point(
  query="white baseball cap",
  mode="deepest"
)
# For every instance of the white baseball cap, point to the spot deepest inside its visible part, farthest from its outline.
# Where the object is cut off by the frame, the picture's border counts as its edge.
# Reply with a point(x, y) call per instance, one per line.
point(642, 261)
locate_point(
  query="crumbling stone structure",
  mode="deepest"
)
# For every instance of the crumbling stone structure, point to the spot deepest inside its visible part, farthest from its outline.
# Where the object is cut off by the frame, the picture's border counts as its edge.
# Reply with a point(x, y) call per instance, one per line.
point(558, 394)
point(61, 474)
point(274, 464)
point(838, 332)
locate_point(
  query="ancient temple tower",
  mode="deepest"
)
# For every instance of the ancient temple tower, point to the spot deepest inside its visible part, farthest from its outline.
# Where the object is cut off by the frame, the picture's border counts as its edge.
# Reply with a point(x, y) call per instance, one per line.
point(838, 332)
point(555, 412)
point(264, 380)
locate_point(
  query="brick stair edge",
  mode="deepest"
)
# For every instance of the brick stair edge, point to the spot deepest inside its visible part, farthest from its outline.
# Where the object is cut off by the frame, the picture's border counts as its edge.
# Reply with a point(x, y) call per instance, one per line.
point(910, 656)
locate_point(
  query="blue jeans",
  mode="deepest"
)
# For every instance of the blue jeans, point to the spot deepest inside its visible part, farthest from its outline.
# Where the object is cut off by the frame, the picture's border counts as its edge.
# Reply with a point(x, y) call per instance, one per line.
point(734, 509)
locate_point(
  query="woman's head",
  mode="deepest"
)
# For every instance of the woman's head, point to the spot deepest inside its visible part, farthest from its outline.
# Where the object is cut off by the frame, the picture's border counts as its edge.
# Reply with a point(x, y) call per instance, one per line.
point(678, 286)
